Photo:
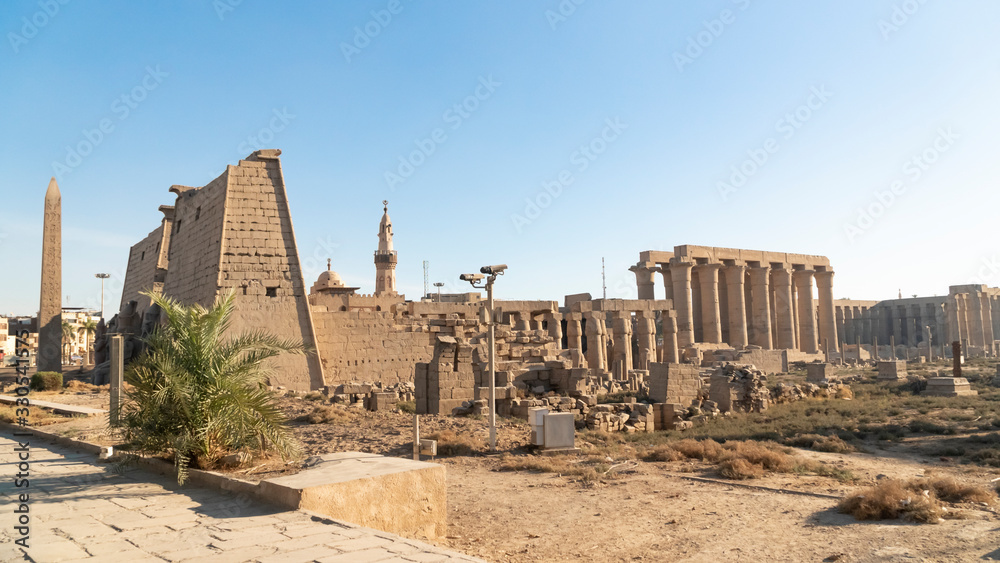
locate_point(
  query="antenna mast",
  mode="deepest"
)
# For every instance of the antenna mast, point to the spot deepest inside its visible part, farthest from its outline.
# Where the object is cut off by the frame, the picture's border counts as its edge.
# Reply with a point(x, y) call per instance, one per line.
point(604, 280)
point(426, 290)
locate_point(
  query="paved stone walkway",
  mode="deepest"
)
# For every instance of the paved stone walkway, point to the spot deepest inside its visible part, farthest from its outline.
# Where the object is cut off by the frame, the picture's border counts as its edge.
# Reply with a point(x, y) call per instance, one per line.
point(81, 510)
point(57, 408)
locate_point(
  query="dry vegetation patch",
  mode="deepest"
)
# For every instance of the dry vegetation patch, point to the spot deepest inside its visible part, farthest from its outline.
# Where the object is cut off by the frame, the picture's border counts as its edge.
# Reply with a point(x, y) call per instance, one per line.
point(328, 414)
point(916, 500)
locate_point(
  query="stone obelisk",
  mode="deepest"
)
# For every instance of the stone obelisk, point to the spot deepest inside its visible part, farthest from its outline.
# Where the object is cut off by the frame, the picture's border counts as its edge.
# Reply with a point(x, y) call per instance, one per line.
point(50, 308)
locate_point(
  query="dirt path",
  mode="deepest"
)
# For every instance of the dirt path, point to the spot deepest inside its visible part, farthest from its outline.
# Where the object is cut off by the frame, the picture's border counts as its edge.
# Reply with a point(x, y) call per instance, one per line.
point(650, 512)
point(650, 515)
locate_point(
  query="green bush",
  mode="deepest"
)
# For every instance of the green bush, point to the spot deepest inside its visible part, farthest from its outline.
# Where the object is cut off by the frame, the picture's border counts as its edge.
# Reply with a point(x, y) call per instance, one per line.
point(197, 396)
point(47, 381)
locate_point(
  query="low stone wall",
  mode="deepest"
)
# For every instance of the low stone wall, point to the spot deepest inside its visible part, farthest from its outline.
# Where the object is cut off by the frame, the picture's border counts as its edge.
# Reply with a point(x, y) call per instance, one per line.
point(673, 383)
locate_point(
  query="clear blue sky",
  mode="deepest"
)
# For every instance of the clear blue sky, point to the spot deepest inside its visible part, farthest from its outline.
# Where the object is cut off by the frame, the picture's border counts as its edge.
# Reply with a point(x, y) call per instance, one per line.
point(692, 91)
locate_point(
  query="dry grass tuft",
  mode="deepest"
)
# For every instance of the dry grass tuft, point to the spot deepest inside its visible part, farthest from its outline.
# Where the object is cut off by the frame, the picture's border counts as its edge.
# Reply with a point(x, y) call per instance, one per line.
point(662, 452)
point(328, 414)
point(891, 499)
point(950, 490)
point(760, 454)
point(706, 450)
point(831, 444)
point(81, 387)
point(739, 468)
point(584, 468)
point(450, 443)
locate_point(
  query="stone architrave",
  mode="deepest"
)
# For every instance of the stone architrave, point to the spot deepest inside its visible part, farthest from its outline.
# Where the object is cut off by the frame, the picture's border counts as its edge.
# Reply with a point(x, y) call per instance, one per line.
point(50, 306)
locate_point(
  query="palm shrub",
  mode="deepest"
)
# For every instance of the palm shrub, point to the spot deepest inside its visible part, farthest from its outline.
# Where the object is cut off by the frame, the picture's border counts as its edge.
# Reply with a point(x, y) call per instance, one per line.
point(197, 397)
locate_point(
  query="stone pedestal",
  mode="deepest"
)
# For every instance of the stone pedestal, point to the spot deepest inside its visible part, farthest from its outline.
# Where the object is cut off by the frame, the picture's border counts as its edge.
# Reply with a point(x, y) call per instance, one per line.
point(816, 373)
point(949, 387)
point(892, 370)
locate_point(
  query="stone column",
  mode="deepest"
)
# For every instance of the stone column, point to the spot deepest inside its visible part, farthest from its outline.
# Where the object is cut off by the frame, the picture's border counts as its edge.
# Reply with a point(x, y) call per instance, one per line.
point(784, 320)
point(711, 326)
point(954, 332)
point(912, 326)
point(849, 328)
point(574, 333)
point(645, 273)
point(987, 314)
point(554, 321)
point(645, 332)
point(680, 274)
point(974, 315)
point(737, 305)
point(622, 341)
point(866, 324)
point(807, 311)
point(596, 343)
point(668, 322)
point(116, 376)
point(841, 324)
point(668, 282)
point(897, 325)
point(827, 318)
point(760, 297)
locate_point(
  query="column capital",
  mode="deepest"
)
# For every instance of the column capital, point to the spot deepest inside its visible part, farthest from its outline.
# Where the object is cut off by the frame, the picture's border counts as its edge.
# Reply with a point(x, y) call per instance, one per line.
point(824, 276)
point(708, 267)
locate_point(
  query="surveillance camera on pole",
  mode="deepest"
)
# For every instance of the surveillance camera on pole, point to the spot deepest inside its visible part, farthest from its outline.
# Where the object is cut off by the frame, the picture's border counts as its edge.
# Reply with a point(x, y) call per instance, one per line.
point(492, 272)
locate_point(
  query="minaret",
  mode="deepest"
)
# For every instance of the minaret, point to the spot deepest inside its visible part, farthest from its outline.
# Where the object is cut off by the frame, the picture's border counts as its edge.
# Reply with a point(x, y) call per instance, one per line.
point(385, 256)
point(50, 305)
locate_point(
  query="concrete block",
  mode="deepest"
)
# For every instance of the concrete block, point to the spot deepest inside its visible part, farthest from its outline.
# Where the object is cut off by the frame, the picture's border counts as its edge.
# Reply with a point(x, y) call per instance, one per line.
point(395, 495)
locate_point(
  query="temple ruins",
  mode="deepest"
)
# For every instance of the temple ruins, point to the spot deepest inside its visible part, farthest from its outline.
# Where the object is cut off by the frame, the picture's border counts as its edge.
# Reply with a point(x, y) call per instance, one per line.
point(716, 305)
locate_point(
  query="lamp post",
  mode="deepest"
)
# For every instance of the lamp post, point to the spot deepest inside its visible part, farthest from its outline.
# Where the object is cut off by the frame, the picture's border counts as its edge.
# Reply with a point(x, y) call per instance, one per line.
point(492, 272)
point(439, 285)
point(102, 278)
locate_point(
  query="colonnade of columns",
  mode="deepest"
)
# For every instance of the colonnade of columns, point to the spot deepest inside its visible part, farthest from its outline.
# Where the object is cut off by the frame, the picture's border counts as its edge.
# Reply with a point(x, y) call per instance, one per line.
point(770, 306)
point(973, 318)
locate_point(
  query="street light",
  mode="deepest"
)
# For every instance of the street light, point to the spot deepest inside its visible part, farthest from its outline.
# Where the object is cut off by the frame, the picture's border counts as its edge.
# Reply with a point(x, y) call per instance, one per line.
point(102, 278)
point(439, 285)
point(492, 272)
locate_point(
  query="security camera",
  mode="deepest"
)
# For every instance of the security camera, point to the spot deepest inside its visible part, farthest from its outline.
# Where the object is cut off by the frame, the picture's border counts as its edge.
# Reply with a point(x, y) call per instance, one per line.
point(472, 278)
point(495, 269)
